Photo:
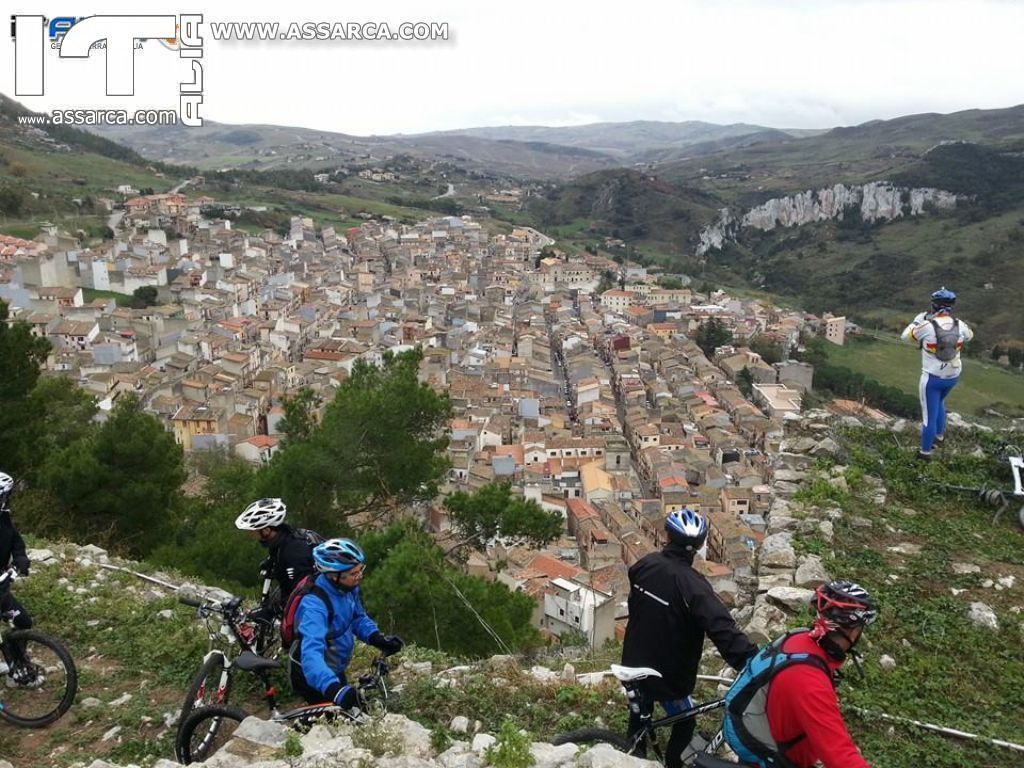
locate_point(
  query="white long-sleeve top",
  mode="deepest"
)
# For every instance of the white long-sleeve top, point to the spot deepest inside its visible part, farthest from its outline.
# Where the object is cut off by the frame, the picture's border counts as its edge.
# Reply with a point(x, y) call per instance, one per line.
point(921, 332)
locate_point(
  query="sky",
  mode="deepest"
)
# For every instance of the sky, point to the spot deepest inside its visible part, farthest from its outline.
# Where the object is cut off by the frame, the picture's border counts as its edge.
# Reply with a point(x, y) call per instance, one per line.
point(780, 63)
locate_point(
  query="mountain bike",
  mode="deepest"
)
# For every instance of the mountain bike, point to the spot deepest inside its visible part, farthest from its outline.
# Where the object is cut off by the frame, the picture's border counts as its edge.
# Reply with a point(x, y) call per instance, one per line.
point(208, 728)
point(38, 678)
point(226, 621)
point(699, 753)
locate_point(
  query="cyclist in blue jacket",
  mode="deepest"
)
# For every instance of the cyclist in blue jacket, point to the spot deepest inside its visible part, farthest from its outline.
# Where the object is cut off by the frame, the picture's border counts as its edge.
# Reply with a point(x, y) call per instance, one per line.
point(327, 621)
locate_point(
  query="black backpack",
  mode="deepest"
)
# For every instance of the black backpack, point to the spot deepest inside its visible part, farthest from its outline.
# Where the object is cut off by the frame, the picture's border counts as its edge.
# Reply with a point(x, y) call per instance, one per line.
point(310, 537)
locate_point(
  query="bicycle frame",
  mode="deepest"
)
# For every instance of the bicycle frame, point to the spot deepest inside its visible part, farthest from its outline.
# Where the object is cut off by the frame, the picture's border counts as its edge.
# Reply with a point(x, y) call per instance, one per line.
point(649, 727)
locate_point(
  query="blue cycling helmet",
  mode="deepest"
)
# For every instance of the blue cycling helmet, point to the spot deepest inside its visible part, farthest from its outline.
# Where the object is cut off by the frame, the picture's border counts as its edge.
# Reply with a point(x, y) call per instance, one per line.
point(943, 299)
point(337, 556)
point(687, 528)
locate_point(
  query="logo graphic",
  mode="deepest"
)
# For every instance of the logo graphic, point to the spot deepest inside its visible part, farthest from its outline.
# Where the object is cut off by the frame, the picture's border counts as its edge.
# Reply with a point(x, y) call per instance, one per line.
point(120, 36)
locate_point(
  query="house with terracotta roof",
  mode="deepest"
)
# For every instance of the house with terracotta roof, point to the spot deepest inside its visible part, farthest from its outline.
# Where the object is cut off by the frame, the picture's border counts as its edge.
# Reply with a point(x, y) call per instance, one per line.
point(258, 450)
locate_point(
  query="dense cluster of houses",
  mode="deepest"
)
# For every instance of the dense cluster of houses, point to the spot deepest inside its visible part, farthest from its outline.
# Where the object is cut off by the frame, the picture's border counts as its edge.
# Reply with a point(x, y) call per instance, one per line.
point(600, 407)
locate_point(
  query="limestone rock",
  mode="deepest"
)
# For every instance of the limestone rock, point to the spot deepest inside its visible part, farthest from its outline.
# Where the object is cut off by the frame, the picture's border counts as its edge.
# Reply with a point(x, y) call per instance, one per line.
point(982, 615)
point(40, 555)
point(777, 552)
point(481, 742)
point(811, 573)
point(415, 737)
point(266, 733)
point(965, 568)
point(793, 599)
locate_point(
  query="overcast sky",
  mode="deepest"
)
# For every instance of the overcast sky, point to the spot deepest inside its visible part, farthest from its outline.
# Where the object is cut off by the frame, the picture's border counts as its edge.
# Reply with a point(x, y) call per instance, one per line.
point(781, 63)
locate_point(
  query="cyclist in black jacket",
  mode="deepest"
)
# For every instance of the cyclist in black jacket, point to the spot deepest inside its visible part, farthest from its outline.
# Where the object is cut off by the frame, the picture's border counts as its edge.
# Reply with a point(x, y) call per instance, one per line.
point(671, 609)
point(12, 552)
point(291, 553)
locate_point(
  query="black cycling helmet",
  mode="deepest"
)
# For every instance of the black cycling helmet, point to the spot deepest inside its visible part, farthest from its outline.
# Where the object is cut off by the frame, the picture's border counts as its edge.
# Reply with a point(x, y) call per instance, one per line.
point(843, 604)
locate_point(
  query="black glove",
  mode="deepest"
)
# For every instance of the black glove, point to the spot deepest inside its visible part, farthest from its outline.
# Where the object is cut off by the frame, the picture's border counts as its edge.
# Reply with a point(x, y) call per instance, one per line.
point(22, 565)
point(346, 697)
point(389, 644)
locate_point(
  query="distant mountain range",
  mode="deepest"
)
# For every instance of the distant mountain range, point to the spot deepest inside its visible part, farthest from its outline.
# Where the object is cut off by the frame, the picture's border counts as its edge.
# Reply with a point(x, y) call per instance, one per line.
point(532, 152)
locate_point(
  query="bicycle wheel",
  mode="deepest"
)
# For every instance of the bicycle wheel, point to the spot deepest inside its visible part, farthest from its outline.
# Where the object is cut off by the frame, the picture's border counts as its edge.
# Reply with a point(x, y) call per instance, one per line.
point(587, 736)
point(204, 731)
point(211, 685)
point(40, 682)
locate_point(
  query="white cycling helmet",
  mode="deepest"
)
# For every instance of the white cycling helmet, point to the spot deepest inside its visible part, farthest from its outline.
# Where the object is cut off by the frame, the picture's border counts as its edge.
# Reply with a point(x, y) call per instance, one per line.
point(6, 488)
point(264, 513)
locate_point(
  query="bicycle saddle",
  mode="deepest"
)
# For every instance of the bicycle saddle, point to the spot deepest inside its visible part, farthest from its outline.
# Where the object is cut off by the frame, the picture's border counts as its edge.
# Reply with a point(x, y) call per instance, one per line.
point(248, 661)
point(629, 674)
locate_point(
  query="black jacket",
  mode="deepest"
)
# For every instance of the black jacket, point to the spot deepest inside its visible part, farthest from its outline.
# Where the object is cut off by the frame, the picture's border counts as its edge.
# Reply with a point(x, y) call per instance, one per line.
point(12, 547)
point(291, 558)
point(671, 609)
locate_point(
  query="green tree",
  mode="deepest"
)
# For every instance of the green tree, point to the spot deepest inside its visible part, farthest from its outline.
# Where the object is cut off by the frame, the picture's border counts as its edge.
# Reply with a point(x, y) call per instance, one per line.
point(21, 354)
point(1016, 355)
point(745, 382)
point(300, 419)
point(144, 296)
point(670, 283)
point(495, 510)
point(410, 589)
point(204, 541)
point(770, 350)
point(12, 200)
point(379, 447)
point(55, 414)
point(119, 484)
point(712, 334)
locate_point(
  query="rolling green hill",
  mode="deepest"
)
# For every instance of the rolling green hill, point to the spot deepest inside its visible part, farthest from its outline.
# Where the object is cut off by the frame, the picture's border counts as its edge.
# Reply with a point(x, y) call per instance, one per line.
point(58, 175)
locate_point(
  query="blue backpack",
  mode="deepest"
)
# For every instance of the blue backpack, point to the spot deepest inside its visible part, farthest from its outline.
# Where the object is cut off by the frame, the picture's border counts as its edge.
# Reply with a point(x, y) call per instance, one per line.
point(746, 723)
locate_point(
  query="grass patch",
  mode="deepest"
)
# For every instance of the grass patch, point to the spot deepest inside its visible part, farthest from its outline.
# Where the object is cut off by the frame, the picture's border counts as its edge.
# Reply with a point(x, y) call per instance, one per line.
point(896, 364)
point(948, 671)
point(122, 299)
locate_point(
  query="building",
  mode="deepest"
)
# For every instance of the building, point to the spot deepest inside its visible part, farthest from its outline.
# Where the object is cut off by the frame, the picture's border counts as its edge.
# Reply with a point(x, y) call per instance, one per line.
point(776, 399)
point(835, 329)
point(570, 606)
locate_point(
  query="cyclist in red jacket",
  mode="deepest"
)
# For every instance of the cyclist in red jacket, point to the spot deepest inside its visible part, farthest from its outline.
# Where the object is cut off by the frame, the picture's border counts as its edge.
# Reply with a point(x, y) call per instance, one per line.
point(782, 711)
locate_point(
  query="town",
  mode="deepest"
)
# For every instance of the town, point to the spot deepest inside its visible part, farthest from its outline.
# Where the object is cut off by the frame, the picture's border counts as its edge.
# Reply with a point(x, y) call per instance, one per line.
point(597, 404)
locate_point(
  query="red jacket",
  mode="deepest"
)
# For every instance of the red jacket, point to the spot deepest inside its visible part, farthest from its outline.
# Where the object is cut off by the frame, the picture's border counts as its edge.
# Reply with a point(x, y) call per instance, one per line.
point(801, 700)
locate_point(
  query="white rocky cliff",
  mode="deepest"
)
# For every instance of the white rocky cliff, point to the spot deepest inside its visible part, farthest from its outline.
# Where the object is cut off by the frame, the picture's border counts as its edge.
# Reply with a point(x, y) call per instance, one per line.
point(877, 200)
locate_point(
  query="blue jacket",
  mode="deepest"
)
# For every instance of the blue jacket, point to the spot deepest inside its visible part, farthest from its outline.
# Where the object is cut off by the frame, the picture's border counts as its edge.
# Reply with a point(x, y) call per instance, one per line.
point(324, 652)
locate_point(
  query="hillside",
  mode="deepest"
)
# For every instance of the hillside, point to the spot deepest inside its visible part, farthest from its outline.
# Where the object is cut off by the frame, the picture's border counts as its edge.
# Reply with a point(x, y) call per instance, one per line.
point(876, 272)
point(58, 175)
point(628, 141)
point(267, 147)
point(851, 502)
point(523, 152)
point(623, 204)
